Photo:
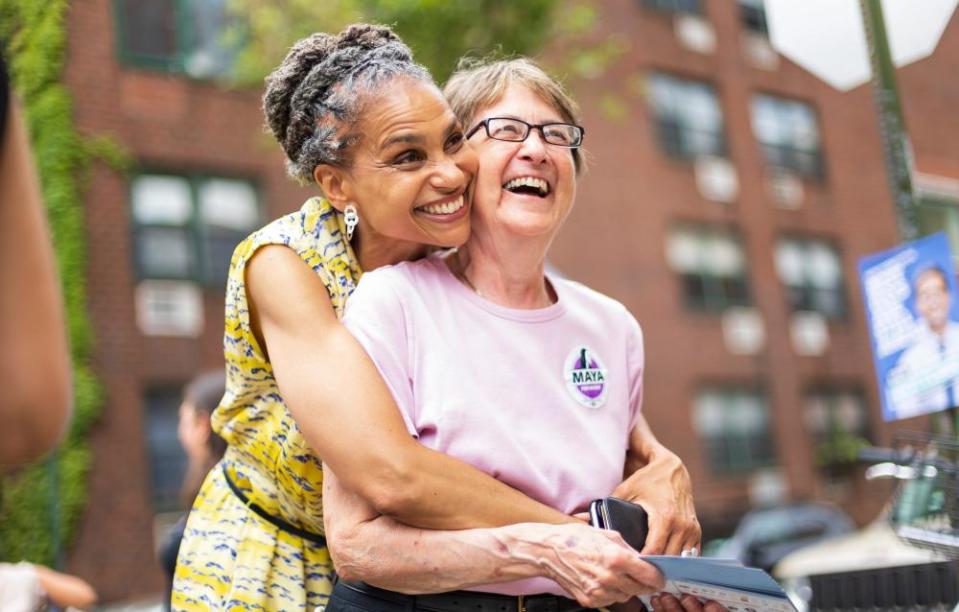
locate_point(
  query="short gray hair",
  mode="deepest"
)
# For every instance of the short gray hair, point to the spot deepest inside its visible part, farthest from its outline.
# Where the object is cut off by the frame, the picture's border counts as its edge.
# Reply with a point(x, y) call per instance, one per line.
point(314, 98)
point(478, 83)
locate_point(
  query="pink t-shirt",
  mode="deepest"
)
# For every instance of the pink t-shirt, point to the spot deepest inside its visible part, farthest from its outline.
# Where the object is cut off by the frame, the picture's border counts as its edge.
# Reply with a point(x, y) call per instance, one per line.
point(541, 399)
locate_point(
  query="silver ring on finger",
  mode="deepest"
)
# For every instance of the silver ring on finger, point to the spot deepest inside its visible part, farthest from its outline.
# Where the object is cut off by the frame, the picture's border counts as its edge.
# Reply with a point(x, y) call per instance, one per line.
point(690, 552)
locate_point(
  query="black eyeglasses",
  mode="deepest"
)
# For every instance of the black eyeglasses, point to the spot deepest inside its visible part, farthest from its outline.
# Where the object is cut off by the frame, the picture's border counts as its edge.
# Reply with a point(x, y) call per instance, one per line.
point(515, 130)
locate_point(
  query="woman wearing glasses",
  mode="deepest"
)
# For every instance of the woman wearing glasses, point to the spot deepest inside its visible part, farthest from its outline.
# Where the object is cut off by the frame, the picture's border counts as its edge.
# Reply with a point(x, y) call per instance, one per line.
point(534, 379)
point(367, 126)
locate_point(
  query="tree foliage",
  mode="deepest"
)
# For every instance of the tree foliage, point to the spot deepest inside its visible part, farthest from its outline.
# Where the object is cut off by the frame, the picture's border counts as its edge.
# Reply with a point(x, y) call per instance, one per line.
point(53, 492)
point(438, 31)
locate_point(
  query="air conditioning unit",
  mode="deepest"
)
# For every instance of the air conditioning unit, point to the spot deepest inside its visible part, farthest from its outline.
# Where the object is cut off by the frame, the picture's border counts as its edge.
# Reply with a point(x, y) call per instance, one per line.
point(936, 186)
point(169, 308)
point(716, 179)
point(809, 333)
point(743, 330)
point(786, 189)
point(758, 51)
point(695, 33)
point(768, 487)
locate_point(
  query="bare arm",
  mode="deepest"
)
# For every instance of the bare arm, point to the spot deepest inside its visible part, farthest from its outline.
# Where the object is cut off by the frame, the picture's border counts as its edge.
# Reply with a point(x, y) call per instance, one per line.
point(596, 567)
point(347, 413)
point(657, 480)
point(34, 363)
point(65, 590)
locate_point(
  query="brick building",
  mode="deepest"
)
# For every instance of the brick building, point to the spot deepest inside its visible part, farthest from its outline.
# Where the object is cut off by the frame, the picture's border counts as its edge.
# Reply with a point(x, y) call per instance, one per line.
point(730, 196)
point(734, 193)
point(156, 308)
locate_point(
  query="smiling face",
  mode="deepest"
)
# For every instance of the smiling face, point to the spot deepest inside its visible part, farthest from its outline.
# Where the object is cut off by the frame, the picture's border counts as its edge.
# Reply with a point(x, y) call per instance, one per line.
point(932, 299)
point(409, 170)
point(524, 188)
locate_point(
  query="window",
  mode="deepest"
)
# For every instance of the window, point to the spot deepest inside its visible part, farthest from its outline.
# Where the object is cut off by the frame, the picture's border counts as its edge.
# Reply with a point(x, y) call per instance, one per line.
point(186, 36)
point(811, 270)
point(939, 214)
point(733, 426)
point(675, 6)
point(187, 227)
point(837, 422)
point(712, 266)
point(689, 120)
point(789, 135)
point(752, 14)
point(167, 459)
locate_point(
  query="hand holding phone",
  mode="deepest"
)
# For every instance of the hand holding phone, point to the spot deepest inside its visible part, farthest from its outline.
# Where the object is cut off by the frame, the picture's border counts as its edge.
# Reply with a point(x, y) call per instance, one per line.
point(629, 519)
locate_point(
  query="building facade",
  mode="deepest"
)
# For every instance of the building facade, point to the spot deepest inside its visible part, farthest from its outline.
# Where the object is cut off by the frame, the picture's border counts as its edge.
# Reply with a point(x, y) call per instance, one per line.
point(729, 198)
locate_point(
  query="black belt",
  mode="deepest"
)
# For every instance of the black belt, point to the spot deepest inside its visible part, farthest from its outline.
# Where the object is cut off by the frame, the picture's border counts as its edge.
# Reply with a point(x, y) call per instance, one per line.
point(266, 516)
point(468, 601)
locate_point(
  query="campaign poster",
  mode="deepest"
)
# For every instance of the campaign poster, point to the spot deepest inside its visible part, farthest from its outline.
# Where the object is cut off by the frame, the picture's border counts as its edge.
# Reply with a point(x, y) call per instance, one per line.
point(913, 315)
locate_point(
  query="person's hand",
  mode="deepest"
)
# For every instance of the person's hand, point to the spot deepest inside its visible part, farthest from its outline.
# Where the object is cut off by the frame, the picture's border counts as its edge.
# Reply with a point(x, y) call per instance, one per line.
point(664, 489)
point(633, 605)
point(595, 566)
point(665, 602)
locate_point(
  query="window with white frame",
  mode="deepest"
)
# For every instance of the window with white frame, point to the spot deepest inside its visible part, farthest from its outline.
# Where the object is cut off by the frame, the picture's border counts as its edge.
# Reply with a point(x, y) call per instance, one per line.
point(188, 36)
point(732, 424)
point(811, 271)
point(712, 266)
point(828, 410)
point(187, 226)
point(675, 6)
point(689, 119)
point(939, 213)
point(789, 134)
point(837, 422)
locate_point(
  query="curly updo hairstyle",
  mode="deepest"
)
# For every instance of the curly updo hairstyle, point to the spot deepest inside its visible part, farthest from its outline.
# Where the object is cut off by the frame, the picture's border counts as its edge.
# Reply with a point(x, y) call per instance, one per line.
point(314, 98)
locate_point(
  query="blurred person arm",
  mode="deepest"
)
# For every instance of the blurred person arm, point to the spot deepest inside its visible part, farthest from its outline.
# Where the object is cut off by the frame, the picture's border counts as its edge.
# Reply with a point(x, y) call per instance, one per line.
point(350, 418)
point(657, 480)
point(25, 586)
point(34, 364)
point(64, 590)
point(596, 567)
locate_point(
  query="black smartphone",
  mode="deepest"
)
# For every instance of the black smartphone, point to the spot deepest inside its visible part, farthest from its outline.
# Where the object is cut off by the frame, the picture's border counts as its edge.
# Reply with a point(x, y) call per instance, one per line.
point(629, 519)
point(595, 515)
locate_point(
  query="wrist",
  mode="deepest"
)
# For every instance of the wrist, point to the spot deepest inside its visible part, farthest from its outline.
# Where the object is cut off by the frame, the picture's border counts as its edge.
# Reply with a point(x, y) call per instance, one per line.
point(657, 453)
point(529, 548)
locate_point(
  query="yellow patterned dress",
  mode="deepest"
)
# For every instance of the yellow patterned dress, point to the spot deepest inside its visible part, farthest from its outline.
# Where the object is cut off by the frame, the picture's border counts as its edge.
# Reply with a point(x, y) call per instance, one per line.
point(230, 557)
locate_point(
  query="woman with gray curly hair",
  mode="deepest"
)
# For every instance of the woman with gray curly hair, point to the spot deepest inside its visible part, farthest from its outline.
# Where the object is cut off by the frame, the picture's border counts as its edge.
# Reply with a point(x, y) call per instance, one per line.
point(393, 170)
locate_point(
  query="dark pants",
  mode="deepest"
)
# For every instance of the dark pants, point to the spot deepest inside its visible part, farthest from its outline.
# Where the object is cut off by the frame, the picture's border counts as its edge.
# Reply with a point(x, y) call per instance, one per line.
point(364, 598)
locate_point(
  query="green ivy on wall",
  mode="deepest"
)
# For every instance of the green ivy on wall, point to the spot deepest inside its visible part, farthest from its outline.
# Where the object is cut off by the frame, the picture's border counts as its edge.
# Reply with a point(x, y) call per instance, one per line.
point(41, 504)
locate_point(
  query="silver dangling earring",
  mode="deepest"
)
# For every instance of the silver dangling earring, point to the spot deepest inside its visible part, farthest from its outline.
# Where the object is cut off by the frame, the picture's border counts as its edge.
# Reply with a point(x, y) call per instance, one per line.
point(351, 217)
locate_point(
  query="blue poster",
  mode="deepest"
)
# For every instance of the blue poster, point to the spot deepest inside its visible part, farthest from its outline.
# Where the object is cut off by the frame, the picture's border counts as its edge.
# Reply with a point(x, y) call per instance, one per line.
point(913, 315)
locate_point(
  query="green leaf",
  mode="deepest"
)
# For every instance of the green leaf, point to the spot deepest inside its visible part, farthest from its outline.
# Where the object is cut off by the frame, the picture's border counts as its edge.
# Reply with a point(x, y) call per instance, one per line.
point(53, 492)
